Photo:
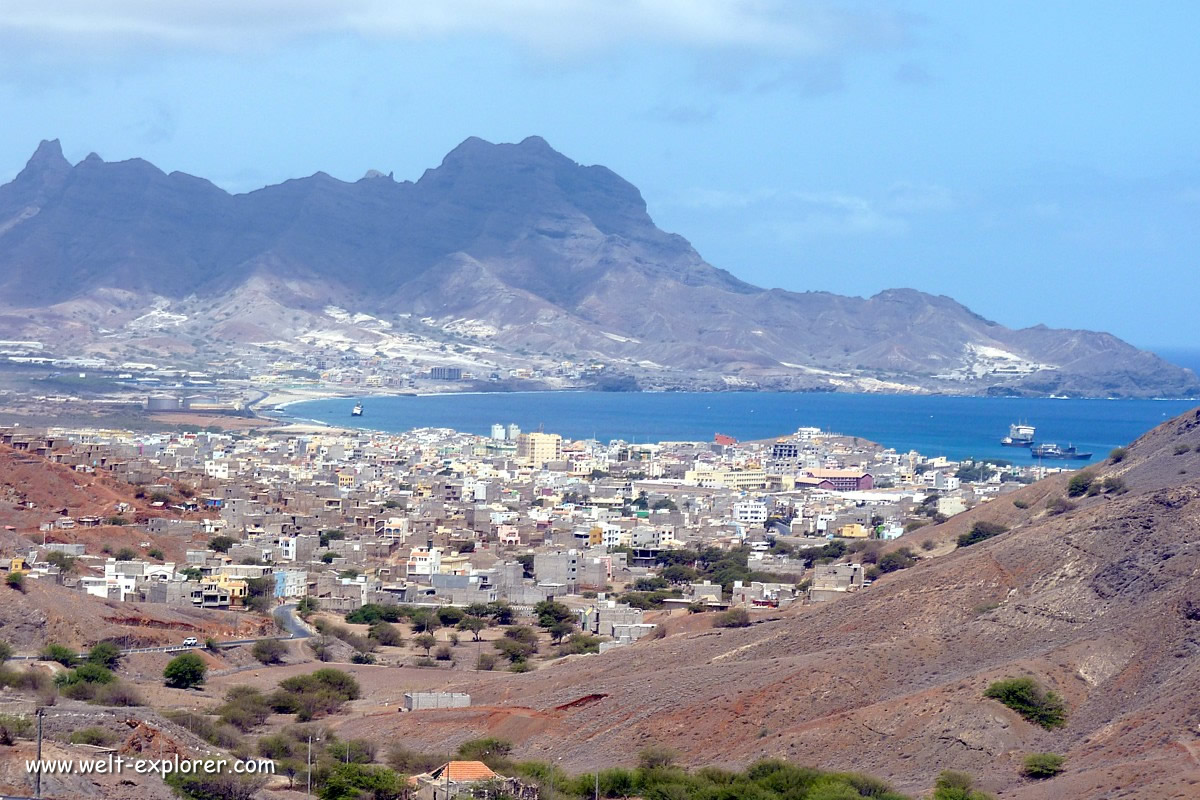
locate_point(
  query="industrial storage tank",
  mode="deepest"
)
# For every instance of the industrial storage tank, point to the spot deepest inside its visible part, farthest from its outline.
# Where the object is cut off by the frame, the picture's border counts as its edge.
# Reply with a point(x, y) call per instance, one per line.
point(163, 402)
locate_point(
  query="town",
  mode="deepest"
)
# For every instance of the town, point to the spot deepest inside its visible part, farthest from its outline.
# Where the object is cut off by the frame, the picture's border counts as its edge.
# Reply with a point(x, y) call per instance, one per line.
point(620, 533)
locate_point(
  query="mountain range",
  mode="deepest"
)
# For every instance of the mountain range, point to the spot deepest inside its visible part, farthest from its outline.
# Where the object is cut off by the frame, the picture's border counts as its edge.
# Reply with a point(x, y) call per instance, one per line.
point(513, 249)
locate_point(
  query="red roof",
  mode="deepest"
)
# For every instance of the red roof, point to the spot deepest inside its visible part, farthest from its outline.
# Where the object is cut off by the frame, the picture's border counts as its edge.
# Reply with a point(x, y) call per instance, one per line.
point(464, 772)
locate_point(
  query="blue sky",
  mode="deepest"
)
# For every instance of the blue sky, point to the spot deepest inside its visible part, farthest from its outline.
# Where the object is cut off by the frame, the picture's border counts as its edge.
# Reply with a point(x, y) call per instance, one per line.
point(1035, 161)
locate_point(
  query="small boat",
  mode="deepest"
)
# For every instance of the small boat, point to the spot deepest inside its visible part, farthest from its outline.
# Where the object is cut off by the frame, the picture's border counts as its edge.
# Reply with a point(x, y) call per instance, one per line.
point(1068, 453)
point(1019, 436)
point(357, 410)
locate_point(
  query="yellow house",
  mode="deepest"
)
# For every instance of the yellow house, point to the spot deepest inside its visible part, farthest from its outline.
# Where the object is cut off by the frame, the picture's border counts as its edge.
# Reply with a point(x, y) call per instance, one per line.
point(595, 537)
point(235, 586)
point(854, 530)
point(345, 480)
point(19, 564)
point(457, 564)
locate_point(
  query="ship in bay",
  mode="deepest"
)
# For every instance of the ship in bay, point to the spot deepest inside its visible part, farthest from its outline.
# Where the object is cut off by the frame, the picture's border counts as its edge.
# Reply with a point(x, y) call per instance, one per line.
point(1019, 435)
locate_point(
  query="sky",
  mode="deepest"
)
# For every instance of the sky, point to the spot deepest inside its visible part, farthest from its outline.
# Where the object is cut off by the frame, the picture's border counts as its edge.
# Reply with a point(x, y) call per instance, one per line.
point(1036, 161)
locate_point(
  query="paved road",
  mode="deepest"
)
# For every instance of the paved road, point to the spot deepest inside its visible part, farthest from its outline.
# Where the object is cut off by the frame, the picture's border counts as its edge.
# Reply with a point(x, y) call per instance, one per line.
point(286, 617)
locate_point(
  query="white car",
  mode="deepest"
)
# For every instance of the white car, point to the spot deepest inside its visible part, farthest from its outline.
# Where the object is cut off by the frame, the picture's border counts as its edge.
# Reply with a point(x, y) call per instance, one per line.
point(191, 641)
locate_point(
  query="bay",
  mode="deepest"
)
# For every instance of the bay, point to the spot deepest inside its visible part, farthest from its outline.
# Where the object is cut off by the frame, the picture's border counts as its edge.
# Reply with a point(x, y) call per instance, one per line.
point(955, 427)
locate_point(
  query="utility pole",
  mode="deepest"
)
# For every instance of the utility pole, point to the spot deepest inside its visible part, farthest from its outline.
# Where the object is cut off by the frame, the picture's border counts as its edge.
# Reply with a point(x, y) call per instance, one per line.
point(308, 768)
point(37, 779)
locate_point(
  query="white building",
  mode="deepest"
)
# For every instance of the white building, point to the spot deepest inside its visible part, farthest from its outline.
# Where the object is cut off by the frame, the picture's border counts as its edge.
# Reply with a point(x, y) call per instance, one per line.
point(750, 512)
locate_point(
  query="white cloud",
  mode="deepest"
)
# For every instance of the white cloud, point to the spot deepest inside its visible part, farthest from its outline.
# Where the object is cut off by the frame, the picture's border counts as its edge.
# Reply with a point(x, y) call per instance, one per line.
point(790, 214)
point(796, 28)
point(913, 198)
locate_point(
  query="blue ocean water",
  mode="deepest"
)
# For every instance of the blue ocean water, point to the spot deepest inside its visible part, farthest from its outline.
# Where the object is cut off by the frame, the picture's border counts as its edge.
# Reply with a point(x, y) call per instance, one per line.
point(956, 427)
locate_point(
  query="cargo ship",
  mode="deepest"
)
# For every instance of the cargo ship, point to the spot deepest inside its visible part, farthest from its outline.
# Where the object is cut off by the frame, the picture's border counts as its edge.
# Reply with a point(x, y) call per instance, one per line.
point(357, 410)
point(1070, 452)
point(1019, 436)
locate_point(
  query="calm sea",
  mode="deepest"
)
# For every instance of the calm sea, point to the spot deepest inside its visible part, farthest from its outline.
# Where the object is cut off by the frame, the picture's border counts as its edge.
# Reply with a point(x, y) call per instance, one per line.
point(956, 427)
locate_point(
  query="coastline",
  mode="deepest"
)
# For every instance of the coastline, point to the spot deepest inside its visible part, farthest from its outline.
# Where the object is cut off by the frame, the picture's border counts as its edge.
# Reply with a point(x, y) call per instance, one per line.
point(965, 427)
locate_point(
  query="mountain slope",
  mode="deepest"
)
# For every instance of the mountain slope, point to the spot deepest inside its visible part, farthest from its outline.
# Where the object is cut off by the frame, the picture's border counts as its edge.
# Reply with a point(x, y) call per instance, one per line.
point(543, 253)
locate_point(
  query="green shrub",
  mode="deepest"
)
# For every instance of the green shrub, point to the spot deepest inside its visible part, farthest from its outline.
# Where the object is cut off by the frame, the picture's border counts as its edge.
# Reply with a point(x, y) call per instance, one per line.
point(1040, 766)
point(354, 751)
point(220, 544)
point(57, 652)
point(902, 558)
point(953, 785)
point(6, 651)
point(352, 781)
point(16, 580)
point(489, 750)
point(1021, 504)
point(98, 737)
point(185, 671)
point(13, 727)
point(980, 531)
point(1031, 701)
point(269, 651)
point(106, 654)
point(1118, 455)
point(486, 662)
point(1059, 505)
point(86, 673)
point(733, 618)
point(386, 634)
point(198, 784)
point(410, 762)
point(245, 708)
point(323, 691)
point(210, 730)
point(1115, 485)
point(64, 562)
point(116, 693)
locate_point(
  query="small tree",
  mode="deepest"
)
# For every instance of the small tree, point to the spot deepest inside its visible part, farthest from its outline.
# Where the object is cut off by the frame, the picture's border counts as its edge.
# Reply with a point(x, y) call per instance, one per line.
point(425, 641)
point(897, 559)
point(269, 651)
point(106, 654)
point(474, 625)
point(387, 634)
point(6, 651)
point(425, 621)
point(560, 630)
point(979, 532)
point(220, 544)
point(1031, 701)
point(1079, 484)
point(1040, 766)
point(57, 652)
point(16, 580)
point(656, 758)
point(185, 671)
point(953, 785)
point(733, 618)
point(64, 562)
